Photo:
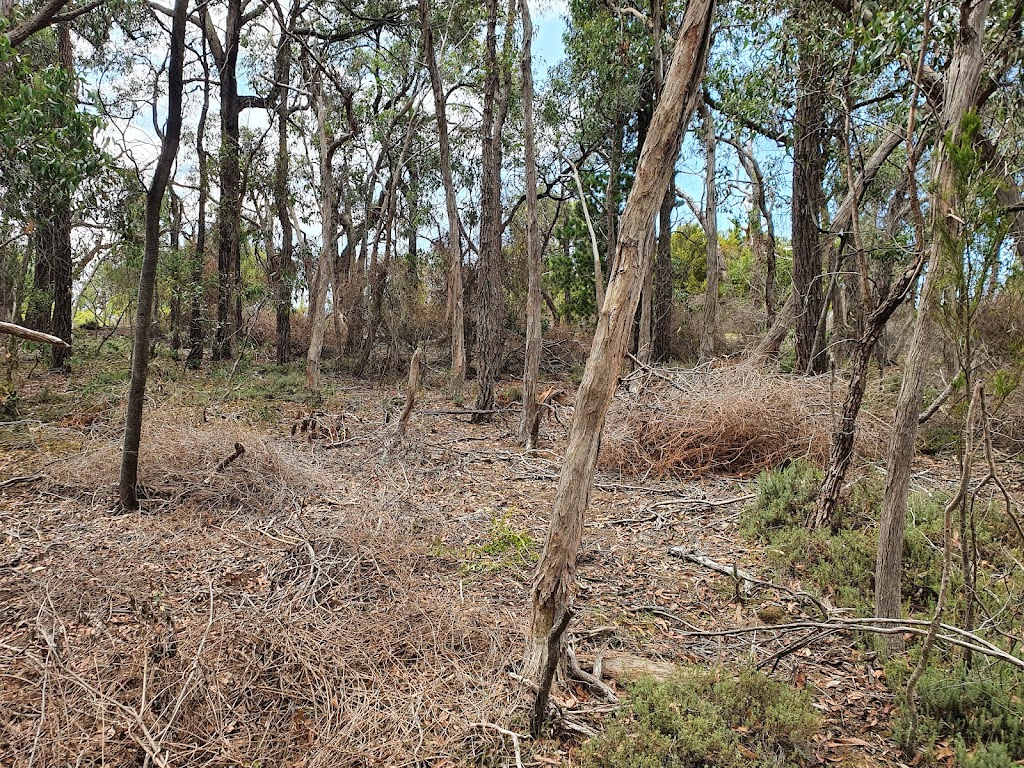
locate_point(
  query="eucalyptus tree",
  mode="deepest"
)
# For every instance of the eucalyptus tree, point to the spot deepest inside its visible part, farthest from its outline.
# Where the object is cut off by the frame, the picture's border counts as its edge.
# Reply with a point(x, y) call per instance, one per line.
point(490, 293)
point(972, 40)
point(47, 151)
point(171, 134)
point(454, 303)
point(552, 589)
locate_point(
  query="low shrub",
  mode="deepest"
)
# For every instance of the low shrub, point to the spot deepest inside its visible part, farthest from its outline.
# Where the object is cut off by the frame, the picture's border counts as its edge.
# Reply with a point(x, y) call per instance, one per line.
point(709, 718)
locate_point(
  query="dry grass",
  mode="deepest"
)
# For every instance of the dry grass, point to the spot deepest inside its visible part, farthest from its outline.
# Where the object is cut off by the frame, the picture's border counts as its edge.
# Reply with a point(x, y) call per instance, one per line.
point(178, 466)
point(251, 620)
point(733, 420)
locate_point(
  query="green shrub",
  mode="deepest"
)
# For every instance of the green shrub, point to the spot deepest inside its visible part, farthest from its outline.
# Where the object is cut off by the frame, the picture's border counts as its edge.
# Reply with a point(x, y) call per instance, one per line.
point(709, 718)
point(994, 755)
point(785, 498)
point(980, 704)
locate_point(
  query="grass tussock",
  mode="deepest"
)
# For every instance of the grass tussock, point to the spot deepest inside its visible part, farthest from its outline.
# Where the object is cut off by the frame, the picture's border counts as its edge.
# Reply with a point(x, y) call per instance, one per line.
point(733, 420)
point(181, 464)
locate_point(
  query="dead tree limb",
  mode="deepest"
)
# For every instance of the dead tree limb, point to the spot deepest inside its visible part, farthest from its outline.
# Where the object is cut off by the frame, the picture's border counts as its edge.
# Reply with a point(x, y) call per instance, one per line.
point(29, 335)
point(415, 373)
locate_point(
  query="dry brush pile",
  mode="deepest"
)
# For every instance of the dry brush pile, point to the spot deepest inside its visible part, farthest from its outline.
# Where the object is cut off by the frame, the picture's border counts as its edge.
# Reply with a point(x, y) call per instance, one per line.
point(732, 420)
point(242, 619)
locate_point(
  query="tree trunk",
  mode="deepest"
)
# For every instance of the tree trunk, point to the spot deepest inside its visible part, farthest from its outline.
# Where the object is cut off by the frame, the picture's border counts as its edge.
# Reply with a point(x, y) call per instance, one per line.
point(229, 210)
point(552, 588)
point(808, 172)
point(709, 331)
point(328, 238)
point(455, 311)
point(960, 90)
point(147, 278)
point(841, 449)
point(530, 424)
point(196, 335)
point(664, 283)
point(490, 293)
point(282, 267)
point(62, 321)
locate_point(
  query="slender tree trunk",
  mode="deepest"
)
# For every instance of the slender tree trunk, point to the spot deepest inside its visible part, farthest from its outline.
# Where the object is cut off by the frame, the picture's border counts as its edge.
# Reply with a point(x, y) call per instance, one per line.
point(594, 248)
point(841, 449)
point(196, 334)
point(530, 424)
point(282, 269)
point(611, 191)
point(328, 237)
point(455, 311)
point(808, 172)
point(552, 589)
point(174, 206)
point(147, 278)
point(960, 91)
point(709, 331)
point(62, 311)
point(490, 294)
point(664, 283)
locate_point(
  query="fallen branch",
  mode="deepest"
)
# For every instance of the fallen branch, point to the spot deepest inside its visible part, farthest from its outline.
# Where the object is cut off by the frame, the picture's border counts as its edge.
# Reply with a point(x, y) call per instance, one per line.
point(18, 480)
point(29, 335)
point(876, 625)
point(593, 682)
point(228, 460)
point(746, 579)
point(512, 734)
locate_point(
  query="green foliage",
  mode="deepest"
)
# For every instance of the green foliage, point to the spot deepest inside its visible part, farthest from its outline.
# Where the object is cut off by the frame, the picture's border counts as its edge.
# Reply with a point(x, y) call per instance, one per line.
point(506, 547)
point(785, 498)
point(995, 755)
point(46, 147)
point(709, 718)
point(981, 704)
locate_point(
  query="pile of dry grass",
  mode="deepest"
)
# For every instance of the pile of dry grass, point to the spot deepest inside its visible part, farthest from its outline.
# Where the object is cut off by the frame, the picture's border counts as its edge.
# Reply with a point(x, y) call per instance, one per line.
point(183, 464)
point(733, 420)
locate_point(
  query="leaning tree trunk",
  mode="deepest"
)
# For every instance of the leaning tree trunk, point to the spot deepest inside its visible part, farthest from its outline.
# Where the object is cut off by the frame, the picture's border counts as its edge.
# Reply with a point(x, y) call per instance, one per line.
point(147, 278)
point(841, 450)
point(455, 311)
point(553, 583)
point(960, 90)
point(530, 424)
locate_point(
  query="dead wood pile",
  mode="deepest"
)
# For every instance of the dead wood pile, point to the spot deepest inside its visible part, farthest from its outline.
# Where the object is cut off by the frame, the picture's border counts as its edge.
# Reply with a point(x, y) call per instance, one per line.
point(733, 420)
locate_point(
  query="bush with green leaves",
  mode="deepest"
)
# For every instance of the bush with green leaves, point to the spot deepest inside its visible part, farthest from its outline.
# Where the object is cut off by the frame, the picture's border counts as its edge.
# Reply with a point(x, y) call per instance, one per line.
point(980, 703)
point(706, 717)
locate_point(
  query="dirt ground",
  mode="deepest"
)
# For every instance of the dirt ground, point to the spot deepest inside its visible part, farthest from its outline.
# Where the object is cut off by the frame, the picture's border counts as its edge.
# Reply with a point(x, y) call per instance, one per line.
point(332, 598)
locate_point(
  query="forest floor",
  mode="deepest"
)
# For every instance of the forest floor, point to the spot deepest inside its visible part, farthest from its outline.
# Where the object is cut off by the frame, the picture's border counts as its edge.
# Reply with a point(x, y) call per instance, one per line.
point(333, 598)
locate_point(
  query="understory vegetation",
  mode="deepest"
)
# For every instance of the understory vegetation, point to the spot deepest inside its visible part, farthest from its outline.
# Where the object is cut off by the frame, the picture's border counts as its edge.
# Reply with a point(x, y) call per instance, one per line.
point(707, 717)
point(965, 699)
